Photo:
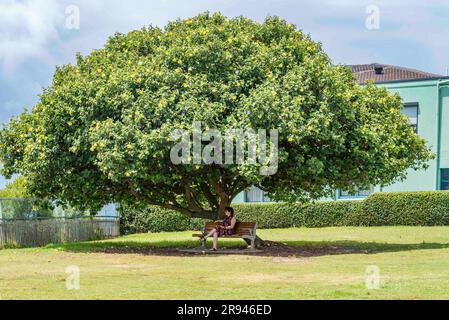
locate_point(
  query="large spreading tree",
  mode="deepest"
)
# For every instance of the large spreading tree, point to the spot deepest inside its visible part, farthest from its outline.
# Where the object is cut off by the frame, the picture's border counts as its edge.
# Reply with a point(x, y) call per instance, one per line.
point(99, 133)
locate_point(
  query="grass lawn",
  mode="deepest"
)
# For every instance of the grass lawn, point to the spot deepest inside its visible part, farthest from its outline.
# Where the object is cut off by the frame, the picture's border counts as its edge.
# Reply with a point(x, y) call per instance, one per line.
point(330, 263)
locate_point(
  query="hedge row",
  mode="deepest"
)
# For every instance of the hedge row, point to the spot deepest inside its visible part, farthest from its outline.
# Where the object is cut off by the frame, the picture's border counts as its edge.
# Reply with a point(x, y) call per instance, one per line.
point(379, 209)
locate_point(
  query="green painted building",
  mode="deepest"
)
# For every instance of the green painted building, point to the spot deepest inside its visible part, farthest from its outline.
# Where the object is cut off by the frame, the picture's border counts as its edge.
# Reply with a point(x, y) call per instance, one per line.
point(426, 103)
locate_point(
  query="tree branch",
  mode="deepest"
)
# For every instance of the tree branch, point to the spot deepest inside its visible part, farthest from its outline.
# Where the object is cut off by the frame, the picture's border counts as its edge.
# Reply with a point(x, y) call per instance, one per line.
point(172, 206)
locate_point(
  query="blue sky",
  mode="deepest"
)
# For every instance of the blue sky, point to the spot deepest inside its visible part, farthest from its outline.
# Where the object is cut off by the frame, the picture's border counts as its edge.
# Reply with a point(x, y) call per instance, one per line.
point(34, 37)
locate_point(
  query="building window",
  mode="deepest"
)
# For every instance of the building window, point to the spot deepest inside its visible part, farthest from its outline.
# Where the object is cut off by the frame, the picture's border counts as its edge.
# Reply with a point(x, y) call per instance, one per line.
point(254, 194)
point(411, 112)
point(354, 195)
point(444, 179)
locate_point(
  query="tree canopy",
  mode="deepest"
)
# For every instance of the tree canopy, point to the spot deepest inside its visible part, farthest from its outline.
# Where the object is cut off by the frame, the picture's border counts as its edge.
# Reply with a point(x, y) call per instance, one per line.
point(99, 133)
point(14, 189)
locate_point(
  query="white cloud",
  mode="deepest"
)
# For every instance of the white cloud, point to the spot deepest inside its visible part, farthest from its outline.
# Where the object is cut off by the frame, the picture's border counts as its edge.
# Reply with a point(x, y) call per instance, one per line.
point(26, 29)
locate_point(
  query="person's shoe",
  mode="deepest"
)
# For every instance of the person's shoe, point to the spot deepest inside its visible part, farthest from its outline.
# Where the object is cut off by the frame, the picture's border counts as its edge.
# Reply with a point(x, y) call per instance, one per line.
point(213, 249)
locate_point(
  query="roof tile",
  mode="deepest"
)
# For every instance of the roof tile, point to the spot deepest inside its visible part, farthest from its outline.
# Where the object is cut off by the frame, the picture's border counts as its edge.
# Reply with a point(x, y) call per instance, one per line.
point(366, 72)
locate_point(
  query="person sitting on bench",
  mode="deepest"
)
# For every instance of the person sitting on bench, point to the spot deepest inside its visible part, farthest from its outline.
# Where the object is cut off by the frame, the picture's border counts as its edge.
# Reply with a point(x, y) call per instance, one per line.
point(226, 228)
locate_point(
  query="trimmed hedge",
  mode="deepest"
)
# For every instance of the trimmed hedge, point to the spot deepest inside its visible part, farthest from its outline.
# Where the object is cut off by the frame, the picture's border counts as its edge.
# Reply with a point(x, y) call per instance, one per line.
point(155, 219)
point(407, 209)
point(380, 209)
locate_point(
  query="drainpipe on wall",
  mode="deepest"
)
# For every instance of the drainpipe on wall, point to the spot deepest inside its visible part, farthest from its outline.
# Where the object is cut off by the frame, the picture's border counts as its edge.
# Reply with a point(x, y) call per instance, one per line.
point(439, 116)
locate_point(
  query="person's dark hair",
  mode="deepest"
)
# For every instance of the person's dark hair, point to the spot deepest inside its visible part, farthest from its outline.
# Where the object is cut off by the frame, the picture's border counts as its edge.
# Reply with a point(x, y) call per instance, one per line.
point(231, 210)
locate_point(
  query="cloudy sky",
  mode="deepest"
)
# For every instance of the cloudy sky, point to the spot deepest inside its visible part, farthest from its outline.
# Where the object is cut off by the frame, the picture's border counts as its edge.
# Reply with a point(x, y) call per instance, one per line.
point(37, 35)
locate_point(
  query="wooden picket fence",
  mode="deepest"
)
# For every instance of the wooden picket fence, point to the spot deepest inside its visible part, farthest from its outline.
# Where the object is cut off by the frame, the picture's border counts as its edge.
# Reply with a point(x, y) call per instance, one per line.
point(36, 233)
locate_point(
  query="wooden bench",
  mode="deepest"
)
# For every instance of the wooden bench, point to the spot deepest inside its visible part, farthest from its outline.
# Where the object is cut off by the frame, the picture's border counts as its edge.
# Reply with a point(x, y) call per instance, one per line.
point(244, 230)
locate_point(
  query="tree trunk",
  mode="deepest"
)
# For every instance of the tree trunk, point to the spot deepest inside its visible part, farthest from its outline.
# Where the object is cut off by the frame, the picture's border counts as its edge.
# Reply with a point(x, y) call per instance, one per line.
point(225, 201)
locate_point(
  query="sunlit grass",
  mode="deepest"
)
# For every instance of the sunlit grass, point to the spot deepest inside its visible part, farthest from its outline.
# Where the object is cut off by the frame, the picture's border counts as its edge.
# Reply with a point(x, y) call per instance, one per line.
point(413, 261)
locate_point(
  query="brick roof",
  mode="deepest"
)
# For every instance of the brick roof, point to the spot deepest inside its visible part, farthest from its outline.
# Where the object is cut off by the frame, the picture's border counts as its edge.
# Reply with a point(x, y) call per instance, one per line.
point(388, 73)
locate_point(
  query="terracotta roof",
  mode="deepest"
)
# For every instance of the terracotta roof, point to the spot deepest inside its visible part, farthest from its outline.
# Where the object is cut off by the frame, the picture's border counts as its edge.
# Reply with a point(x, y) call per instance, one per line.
point(387, 73)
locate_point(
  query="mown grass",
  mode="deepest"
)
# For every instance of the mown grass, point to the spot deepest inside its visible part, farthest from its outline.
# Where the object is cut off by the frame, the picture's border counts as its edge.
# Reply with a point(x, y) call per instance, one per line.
point(413, 264)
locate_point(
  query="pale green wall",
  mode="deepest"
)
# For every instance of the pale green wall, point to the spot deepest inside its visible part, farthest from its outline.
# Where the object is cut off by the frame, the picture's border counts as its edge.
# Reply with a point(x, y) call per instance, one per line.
point(431, 101)
point(444, 154)
point(426, 94)
point(240, 198)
